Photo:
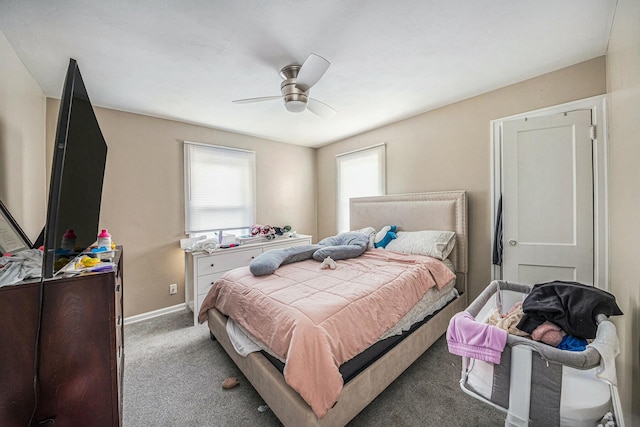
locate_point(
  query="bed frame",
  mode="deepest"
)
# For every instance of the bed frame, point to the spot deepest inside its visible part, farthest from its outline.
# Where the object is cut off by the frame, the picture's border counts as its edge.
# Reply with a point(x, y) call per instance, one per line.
point(410, 212)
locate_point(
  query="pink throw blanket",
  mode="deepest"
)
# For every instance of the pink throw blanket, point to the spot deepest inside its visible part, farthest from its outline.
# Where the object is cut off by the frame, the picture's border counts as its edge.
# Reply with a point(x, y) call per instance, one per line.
point(468, 338)
point(317, 319)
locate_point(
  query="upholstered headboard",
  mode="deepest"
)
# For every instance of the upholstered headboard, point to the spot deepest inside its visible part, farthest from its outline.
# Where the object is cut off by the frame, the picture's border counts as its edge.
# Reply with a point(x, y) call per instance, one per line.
point(444, 210)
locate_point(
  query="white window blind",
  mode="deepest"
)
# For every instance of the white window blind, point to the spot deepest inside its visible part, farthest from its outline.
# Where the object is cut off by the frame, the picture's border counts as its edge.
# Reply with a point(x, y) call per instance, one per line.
point(359, 173)
point(219, 188)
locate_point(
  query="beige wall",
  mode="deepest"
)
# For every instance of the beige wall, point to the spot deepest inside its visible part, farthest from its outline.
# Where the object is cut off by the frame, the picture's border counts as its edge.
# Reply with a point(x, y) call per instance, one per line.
point(143, 195)
point(449, 149)
point(623, 86)
point(22, 130)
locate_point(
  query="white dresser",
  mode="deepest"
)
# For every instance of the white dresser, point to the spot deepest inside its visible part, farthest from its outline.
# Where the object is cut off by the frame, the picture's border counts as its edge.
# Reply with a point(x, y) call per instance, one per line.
point(202, 269)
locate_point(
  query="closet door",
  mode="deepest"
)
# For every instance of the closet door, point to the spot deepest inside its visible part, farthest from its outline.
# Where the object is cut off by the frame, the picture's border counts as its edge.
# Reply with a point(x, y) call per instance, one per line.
point(547, 198)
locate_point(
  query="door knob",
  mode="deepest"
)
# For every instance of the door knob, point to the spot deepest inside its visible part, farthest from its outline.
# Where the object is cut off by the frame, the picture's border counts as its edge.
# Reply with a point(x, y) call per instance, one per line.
point(512, 242)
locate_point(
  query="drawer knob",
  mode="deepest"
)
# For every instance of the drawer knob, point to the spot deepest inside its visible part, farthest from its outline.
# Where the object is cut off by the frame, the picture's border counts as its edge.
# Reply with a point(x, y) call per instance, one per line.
point(212, 264)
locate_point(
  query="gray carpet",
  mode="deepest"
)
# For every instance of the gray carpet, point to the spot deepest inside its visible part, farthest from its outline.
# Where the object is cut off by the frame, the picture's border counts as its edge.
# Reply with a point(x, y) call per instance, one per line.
point(174, 372)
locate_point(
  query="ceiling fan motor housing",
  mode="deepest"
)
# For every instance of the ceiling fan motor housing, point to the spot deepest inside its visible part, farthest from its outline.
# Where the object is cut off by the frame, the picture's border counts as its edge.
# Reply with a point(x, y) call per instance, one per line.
point(295, 99)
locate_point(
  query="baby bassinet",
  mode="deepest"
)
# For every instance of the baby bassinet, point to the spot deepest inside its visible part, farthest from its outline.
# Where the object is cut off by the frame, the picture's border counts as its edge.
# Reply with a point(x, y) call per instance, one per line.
point(536, 384)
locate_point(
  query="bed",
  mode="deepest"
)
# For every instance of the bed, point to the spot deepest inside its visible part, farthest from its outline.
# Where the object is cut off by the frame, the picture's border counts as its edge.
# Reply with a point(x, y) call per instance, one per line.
point(445, 211)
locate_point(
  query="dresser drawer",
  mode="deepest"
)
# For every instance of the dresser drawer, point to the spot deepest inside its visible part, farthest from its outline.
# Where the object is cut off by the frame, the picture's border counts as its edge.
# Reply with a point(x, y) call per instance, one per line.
point(119, 366)
point(199, 300)
point(119, 328)
point(204, 283)
point(285, 245)
point(226, 261)
point(118, 304)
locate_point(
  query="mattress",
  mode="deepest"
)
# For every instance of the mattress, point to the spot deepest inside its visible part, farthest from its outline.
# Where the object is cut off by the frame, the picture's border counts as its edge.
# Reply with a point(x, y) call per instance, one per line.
point(353, 367)
point(434, 300)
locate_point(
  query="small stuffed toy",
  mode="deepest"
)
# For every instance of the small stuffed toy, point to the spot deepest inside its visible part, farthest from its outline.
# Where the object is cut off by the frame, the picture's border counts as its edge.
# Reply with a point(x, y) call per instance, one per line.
point(384, 236)
point(255, 229)
point(328, 263)
point(263, 230)
point(282, 230)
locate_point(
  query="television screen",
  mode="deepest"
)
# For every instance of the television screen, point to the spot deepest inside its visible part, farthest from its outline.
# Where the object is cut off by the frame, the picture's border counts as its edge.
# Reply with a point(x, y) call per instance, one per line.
point(77, 173)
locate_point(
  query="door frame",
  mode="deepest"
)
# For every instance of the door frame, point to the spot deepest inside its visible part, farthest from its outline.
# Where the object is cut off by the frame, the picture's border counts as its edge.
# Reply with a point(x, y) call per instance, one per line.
point(598, 107)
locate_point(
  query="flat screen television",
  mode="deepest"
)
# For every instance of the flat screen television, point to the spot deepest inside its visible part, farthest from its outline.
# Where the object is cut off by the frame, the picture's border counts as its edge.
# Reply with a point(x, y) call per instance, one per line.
point(77, 174)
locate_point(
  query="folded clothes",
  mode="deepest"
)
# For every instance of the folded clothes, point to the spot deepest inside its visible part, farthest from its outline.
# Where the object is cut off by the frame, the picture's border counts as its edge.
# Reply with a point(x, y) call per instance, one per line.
point(25, 264)
point(572, 343)
point(548, 333)
point(572, 306)
point(468, 338)
point(508, 321)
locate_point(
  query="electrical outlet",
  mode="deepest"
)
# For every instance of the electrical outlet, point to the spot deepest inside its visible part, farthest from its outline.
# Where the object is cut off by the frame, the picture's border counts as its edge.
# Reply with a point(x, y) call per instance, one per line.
point(173, 289)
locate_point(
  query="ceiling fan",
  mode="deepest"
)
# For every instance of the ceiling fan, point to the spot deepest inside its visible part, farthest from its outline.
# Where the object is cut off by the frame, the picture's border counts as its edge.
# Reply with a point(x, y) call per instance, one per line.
point(297, 80)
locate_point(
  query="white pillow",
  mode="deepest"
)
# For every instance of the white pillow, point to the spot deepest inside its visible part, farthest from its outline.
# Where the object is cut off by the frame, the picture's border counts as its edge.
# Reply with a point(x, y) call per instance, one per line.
point(436, 244)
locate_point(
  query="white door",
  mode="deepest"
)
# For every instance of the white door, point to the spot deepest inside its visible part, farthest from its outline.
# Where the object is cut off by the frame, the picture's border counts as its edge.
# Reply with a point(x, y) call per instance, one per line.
point(547, 198)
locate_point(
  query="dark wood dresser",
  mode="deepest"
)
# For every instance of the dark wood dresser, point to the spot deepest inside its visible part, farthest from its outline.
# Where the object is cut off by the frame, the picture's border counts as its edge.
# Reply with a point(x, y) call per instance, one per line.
point(81, 354)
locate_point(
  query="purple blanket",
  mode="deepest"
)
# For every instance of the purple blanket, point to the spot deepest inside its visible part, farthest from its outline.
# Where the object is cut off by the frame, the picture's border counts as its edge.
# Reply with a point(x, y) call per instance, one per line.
point(469, 338)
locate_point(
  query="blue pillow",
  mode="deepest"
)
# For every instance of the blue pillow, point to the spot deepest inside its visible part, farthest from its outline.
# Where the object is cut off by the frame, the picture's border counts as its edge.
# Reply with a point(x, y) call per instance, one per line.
point(384, 236)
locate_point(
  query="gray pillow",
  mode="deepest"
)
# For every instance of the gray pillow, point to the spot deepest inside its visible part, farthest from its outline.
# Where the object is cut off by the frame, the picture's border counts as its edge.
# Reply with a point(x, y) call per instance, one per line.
point(342, 246)
point(268, 262)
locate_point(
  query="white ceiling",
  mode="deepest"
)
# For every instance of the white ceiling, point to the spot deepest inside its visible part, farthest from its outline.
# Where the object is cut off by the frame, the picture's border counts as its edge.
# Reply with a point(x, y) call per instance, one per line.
point(187, 60)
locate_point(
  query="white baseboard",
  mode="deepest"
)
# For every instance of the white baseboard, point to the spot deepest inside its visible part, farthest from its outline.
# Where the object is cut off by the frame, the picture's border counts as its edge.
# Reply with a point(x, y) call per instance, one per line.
point(617, 406)
point(154, 313)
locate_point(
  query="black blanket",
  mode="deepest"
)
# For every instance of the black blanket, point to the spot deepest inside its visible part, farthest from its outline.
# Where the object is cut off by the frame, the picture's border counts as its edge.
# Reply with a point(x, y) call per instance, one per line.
point(570, 305)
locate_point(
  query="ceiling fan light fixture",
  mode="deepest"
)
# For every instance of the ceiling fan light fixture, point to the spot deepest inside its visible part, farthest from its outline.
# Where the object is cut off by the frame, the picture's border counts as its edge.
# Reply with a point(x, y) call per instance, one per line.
point(296, 106)
point(295, 100)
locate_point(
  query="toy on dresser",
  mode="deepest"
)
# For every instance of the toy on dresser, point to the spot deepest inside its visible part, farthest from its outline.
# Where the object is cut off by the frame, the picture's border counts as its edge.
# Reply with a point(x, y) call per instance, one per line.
point(258, 230)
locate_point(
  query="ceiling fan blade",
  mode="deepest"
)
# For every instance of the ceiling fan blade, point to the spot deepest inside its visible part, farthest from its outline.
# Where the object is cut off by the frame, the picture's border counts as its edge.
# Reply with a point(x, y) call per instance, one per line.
point(311, 71)
point(320, 108)
point(263, 98)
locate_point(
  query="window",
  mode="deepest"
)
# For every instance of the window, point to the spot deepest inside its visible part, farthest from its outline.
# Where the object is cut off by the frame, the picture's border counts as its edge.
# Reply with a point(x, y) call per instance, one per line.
point(220, 188)
point(360, 173)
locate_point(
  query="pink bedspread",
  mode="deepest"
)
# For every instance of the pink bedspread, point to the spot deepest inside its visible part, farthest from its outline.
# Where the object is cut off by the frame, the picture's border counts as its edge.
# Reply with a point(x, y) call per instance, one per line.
point(317, 319)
